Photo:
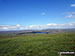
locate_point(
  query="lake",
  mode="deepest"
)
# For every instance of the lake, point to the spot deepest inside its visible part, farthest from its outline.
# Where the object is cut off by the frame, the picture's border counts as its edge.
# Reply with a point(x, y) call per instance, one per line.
point(40, 32)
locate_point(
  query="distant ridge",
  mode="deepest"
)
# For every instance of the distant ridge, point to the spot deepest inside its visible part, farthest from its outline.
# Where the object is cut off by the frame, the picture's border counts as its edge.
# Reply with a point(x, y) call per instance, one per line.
point(22, 32)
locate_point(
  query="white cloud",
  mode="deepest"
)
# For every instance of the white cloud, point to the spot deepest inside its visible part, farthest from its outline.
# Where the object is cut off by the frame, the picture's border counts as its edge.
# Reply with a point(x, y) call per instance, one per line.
point(72, 5)
point(4, 28)
point(33, 27)
point(46, 26)
point(71, 24)
point(22, 28)
point(52, 24)
point(9, 27)
point(70, 15)
point(18, 25)
point(68, 25)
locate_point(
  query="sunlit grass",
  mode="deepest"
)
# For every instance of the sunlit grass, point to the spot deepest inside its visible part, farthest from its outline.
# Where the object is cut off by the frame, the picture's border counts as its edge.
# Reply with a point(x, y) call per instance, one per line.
point(37, 44)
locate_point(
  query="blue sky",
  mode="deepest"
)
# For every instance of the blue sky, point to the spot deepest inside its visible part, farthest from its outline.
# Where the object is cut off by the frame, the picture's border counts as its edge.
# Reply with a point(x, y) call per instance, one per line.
point(36, 12)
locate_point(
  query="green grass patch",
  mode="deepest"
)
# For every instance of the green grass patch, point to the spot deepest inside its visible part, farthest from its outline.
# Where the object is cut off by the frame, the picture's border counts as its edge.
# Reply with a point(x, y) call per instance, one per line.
point(37, 44)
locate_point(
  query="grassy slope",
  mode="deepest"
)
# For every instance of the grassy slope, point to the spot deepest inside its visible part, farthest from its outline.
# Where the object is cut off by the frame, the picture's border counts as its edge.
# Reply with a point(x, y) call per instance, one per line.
point(37, 45)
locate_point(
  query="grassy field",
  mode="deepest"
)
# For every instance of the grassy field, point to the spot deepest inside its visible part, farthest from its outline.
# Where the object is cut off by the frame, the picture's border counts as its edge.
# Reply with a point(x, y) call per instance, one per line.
point(37, 44)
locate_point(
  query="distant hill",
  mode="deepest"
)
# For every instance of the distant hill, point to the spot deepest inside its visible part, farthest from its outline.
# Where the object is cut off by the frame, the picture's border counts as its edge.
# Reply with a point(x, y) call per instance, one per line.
point(21, 32)
point(59, 30)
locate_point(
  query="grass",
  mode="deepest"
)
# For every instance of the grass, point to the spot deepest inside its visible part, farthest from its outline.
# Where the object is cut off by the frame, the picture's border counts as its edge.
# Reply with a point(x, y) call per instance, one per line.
point(37, 44)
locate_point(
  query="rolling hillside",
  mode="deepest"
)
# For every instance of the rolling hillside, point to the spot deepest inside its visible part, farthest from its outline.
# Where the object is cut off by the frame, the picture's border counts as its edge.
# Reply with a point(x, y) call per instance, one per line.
point(37, 44)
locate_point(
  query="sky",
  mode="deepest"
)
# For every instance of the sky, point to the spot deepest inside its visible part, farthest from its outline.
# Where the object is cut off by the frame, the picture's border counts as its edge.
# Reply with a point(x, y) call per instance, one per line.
point(36, 14)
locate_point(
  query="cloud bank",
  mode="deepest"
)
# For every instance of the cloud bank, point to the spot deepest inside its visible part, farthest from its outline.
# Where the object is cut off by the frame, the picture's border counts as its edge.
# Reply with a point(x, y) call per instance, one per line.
point(46, 26)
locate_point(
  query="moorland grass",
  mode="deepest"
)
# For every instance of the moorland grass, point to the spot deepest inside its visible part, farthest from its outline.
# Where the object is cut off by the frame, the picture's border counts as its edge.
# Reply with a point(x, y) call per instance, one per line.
point(37, 44)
